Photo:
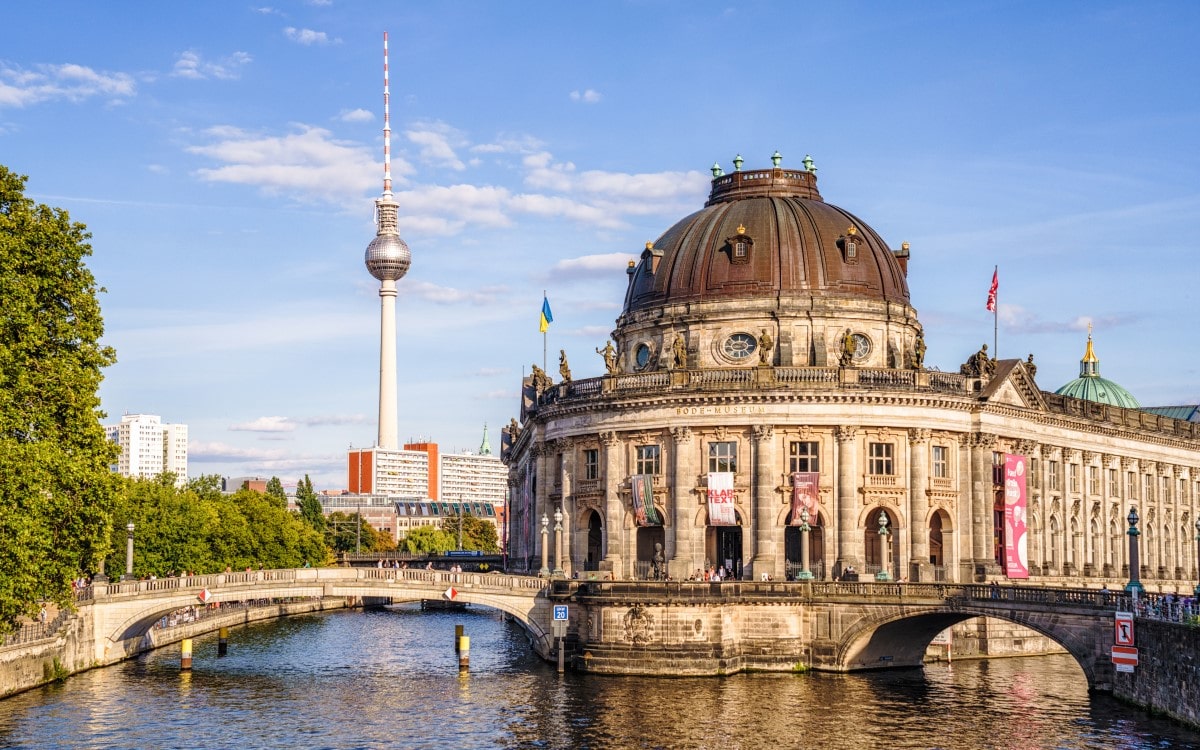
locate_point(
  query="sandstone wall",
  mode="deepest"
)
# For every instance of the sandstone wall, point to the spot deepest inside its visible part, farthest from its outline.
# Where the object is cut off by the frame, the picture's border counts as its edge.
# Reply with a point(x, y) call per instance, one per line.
point(1167, 672)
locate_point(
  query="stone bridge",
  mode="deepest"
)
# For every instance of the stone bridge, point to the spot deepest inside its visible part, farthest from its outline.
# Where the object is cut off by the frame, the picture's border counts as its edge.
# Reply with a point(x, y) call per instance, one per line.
point(719, 628)
point(121, 614)
point(661, 628)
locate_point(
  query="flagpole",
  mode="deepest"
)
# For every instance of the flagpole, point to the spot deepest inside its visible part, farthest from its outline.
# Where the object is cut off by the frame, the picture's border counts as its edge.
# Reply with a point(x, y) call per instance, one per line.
point(544, 334)
point(996, 318)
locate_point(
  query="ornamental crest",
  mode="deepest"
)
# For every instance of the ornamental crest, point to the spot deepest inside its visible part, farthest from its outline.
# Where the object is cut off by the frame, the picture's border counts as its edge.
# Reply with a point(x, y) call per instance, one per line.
point(639, 625)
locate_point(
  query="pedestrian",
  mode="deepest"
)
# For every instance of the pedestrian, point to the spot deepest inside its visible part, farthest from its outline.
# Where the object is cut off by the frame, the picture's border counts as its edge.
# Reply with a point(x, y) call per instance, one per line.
point(42, 615)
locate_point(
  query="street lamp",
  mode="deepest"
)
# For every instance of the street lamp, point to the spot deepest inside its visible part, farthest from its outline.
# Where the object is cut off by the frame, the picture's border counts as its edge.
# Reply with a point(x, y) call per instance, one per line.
point(805, 574)
point(1134, 587)
point(1196, 591)
point(129, 550)
point(545, 550)
point(883, 574)
point(558, 530)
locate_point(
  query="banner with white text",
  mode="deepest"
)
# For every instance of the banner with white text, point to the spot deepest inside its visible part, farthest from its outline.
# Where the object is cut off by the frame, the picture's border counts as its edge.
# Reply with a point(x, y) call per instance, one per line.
point(720, 499)
point(1016, 555)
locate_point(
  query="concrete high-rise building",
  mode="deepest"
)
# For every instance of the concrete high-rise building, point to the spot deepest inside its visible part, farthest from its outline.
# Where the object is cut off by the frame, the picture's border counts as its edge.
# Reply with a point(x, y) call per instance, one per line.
point(473, 477)
point(149, 447)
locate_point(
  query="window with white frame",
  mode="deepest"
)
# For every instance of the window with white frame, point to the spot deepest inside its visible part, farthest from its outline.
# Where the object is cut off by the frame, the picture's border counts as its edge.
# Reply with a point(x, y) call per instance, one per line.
point(722, 456)
point(941, 462)
point(648, 459)
point(879, 459)
point(1052, 469)
point(1073, 477)
point(591, 463)
point(802, 456)
point(1093, 475)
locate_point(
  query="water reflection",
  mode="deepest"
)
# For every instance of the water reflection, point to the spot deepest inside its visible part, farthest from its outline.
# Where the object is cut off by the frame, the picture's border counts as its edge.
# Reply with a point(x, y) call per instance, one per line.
point(391, 679)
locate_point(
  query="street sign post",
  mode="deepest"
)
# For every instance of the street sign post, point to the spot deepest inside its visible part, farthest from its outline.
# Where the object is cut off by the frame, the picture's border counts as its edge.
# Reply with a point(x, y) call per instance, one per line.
point(560, 612)
point(1124, 658)
point(1123, 636)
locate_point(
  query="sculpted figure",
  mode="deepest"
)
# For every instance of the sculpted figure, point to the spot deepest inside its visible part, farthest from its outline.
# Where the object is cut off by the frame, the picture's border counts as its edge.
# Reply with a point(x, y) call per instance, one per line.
point(541, 381)
point(610, 357)
point(765, 345)
point(679, 352)
point(514, 429)
point(564, 370)
point(659, 561)
point(1029, 365)
point(919, 351)
point(849, 346)
point(979, 364)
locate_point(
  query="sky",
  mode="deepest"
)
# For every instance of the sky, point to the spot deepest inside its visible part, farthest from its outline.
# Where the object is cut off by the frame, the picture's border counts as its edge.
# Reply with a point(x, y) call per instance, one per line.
point(225, 157)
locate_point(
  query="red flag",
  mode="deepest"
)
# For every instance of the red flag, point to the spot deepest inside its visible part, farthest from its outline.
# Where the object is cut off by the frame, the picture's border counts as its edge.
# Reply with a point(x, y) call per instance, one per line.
point(991, 303)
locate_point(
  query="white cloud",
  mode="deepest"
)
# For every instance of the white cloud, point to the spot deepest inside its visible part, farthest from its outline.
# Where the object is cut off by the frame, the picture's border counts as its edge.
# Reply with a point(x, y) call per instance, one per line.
point(306, 36)
point(357, 115)
point(603, 265)
point(191, 65)
point(488, 295)
point(588, 96)
point(308, 163)
point(437, 142)
point(265, 424)
point(74, 83)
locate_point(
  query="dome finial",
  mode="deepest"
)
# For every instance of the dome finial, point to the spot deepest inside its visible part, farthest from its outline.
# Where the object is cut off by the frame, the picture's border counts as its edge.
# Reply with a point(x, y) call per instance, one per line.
point(716, 170)
point(776, 158)
point(738, 161)
point(809, 165)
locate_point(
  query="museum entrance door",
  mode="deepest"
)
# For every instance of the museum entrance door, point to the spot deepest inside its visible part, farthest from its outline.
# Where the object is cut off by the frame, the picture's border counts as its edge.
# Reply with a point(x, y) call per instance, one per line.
point(595, 542)
point(723, 547)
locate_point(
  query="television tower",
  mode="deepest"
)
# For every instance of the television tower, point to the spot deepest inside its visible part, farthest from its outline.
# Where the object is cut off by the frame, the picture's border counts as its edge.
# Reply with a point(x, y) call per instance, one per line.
point(387, 259)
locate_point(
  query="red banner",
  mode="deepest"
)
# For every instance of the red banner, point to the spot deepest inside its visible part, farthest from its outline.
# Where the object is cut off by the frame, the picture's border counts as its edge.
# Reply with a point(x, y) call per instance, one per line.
point(1016, 555)
point(804, 495)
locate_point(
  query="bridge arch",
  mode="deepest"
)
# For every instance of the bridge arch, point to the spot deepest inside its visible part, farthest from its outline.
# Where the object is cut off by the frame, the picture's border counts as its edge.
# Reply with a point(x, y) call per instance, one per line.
point(900, 638)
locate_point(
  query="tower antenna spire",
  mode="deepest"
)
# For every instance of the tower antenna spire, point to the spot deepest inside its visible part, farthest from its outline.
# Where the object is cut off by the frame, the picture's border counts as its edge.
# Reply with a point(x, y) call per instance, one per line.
point(387, 124)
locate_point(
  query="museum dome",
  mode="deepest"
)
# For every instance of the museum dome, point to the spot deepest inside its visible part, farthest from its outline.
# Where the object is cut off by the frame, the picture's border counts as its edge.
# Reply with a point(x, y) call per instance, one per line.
point(766, 233)
point(1089, 386)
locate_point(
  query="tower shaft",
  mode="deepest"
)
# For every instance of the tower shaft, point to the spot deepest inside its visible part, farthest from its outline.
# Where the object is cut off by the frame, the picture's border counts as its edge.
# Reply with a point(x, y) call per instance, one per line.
point(388, 427)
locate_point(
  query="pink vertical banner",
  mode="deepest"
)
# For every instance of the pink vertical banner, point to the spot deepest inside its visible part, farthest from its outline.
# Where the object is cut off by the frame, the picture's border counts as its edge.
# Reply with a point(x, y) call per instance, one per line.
point(804, 495)
point(1016, 554)
point(720, 499)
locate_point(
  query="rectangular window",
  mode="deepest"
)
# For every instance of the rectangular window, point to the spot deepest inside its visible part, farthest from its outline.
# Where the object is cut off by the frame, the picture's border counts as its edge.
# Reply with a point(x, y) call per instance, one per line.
point(1052, 467)
point(647, 461)
point(941, 462)
point(1114, 484)
point(1164, 489)
point(591, 463)
point(1131, 485)
point(1148, 488)
point(802, 456)
point(879, 459)
point(1035, 475)
point(722, 456)
point(1093, 480)
point(1073, 476)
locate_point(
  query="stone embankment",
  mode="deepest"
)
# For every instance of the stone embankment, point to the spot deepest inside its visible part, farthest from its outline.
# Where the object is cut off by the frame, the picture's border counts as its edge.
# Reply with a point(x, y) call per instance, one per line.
point(1168, 670)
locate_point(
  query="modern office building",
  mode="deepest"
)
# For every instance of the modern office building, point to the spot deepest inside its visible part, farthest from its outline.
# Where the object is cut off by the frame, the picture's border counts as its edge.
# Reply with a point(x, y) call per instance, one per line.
point(149, 447)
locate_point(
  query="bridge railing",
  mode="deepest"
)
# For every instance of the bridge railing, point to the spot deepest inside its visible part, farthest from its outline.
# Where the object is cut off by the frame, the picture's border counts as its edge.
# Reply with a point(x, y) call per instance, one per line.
point(420, 575)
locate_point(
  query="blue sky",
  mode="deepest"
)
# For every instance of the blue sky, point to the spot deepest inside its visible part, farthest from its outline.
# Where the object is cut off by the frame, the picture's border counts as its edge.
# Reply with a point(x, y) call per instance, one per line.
point(225, 157)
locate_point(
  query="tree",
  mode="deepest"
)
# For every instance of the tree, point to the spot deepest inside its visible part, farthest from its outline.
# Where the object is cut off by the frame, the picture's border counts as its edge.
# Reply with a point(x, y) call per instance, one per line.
point(310, 505)
point(344, 532)
point(428, 540)
point(478, 534)
point(56, 492)
point(276, 492)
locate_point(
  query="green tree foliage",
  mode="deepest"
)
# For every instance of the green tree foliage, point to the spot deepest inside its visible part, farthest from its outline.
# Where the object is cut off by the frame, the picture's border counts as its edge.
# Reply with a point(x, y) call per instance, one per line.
point(477, 533)
point(56, 490)
point(342, 532)
point(428, 539)
point(177, 530)
point(276, 492)
point(310, 505)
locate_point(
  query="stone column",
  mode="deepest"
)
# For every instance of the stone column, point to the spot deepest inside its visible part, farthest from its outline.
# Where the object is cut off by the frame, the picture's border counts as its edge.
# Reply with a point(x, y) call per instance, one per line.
point(614, 511)
point(681, 537)
point(849, 536)
point(982, 505)
point(766, 504)
point(541, 500)
point(918, 505)
point(570, 517)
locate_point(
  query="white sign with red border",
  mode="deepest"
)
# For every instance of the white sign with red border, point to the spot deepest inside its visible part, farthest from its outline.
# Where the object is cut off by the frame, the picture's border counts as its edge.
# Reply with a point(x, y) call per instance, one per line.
point(1123, 623)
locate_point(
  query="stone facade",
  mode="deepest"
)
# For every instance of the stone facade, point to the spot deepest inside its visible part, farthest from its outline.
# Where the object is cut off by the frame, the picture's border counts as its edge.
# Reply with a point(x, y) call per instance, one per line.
point(1167, 671)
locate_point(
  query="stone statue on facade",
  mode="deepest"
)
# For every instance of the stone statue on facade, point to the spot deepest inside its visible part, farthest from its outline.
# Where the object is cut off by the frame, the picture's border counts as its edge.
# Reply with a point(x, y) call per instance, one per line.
point(679, 353)
point(765, 345)
point(658, 564)
point(514, 429)
point(564, 370)
point(919, 351)
point(978, 365)
point(541, 381)
point(849, 347)
point(610, 358)
point(1029, 365)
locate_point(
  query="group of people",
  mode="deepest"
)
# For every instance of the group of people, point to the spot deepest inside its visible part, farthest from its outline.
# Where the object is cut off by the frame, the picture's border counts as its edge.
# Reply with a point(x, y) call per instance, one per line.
point(713, 574)
point(396, 564)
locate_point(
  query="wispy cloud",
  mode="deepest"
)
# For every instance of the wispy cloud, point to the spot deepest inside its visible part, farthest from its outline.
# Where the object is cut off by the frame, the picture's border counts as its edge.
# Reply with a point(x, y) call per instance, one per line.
point(588, 266)
point(20, 87)
point(487, 295)
point(356, 115)
point(265, 424)
point(191, 65)
point(306, 36)
point(587, 96)
point(437, 142)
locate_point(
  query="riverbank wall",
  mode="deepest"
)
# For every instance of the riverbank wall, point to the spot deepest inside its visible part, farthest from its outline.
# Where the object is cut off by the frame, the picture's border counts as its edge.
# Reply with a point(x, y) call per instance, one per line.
point(1167, 671)
point(70, 647)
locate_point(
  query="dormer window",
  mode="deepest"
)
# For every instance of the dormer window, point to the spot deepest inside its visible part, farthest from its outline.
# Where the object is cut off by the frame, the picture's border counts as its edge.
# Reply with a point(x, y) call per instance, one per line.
point(848, 243)
point(740, 246)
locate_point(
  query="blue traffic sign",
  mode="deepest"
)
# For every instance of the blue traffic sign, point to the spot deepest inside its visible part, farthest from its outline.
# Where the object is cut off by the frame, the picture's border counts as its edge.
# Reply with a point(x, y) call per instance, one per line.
point(560, 611)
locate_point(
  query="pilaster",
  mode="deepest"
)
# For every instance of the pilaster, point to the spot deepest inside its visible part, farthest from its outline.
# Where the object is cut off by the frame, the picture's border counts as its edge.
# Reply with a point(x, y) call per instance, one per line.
point(846, 497)
point(766, 506)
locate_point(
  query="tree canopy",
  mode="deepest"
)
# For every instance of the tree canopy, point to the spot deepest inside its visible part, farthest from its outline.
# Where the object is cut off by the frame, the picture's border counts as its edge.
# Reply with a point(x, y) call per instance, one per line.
point(343, 530)
point(478, 534)
point(57, 491)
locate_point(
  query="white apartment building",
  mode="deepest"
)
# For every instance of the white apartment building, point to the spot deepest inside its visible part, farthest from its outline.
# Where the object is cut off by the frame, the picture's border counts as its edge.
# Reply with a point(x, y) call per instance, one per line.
point(149, 447)
point(473, 478)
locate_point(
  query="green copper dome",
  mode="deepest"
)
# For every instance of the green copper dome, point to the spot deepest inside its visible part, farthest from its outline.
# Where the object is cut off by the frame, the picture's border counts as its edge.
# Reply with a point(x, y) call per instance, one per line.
point(1089, 386)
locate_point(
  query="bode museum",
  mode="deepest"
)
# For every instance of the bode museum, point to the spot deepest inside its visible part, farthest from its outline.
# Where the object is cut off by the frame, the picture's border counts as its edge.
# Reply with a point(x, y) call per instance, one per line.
point(766, 414)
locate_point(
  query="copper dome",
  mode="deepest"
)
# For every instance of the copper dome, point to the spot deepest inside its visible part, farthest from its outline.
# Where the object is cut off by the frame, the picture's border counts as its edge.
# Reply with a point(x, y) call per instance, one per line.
point(761, 234)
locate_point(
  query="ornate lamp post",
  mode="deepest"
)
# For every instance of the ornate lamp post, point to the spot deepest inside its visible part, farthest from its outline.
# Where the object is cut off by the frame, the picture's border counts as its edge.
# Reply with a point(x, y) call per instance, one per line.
point(1196, 591)
point(558, 530)
point(129, 550)
point(545, 571)
point(1134, 586)
point(805, 574)
point(883, 574)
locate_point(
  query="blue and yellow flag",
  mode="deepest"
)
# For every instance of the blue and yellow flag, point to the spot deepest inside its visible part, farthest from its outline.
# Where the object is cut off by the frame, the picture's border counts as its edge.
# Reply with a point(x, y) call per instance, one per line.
point(547, 317)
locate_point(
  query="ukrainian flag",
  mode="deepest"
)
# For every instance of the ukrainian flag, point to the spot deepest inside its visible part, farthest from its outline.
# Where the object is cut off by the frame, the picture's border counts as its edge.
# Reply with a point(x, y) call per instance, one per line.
point(547, 317)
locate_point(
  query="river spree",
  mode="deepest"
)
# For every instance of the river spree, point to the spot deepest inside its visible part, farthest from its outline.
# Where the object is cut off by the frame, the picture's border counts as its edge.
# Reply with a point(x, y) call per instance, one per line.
point(390, 679)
